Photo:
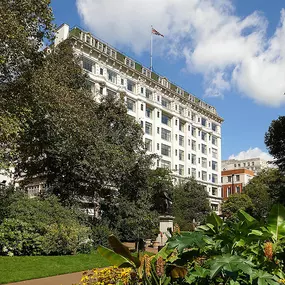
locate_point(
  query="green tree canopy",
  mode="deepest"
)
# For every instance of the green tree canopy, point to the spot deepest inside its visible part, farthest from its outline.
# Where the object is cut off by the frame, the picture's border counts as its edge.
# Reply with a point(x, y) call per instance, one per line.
point(236, 202)
point(275, 141)
point(190, 201)
point(265, 189)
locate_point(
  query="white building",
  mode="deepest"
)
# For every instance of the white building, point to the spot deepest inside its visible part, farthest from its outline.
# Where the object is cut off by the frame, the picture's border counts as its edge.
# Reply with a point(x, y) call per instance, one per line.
point(254, 164)
point(182, 129)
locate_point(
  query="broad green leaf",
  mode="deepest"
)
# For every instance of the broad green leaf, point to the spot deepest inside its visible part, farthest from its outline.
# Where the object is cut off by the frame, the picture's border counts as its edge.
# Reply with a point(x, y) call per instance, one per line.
point(232, 282)
point(200, 272)
point(243, 216)
point(186, 240)
point(114, 258)
point(264, 278)
point(256, 233)
point(215, 220)
point(119, 248)
point(231, 263)
point(276, 221)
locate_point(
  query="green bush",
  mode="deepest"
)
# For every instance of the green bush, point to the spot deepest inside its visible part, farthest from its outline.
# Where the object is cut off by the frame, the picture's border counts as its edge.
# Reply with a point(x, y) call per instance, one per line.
point(100, 234)
point(19, 238)
point(64, 239)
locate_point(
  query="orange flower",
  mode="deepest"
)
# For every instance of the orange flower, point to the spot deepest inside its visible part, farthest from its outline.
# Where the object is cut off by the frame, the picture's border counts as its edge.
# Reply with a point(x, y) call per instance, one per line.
point(268, 250)
point(160, 266)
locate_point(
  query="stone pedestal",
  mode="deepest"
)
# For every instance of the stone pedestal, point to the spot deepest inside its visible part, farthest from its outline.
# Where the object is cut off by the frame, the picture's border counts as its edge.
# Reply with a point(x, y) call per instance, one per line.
point(165, 222)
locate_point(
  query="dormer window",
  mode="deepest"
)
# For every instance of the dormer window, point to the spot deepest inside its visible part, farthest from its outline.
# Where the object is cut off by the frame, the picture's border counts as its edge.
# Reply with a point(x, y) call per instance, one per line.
point(100, 46)
point(164, 82)
point(130, 62)
point(146, 72)
point(179, 91)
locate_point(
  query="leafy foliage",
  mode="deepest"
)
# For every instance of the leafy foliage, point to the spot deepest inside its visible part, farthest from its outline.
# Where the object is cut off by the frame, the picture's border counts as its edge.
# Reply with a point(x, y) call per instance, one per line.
point(190, 201)
point(234, 203)
point(275, 141)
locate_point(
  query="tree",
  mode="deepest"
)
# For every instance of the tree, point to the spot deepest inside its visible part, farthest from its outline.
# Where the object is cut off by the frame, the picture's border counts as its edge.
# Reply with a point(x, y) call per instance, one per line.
point(265, 189)
point(275, 141)
point(236, 202)
point(24, 27)
point(190, 201)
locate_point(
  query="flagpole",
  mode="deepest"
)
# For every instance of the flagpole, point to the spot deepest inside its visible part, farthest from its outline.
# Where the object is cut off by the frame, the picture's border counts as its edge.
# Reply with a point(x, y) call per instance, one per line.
point(151, 49)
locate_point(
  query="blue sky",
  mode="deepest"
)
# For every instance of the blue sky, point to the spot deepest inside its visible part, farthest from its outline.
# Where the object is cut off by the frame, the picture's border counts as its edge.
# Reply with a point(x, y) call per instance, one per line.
point(229, 53)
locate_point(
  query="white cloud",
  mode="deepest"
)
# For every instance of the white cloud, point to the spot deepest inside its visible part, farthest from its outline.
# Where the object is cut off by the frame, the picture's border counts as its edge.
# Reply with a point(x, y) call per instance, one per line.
point(230, 51)
point(252, 153)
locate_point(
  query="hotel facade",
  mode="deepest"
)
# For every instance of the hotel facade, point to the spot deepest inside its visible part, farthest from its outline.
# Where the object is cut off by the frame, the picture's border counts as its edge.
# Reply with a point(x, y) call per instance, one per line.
point(182, 129)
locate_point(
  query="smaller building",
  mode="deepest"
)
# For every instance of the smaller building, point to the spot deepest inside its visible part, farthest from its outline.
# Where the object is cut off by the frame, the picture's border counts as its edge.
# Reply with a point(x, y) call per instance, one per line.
point(254, 164)
point(234, 180)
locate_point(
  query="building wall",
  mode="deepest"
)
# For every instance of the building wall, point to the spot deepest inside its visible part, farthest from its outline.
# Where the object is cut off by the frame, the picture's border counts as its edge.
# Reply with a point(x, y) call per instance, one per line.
point(192, 133)
point(233, 181)
point(254, 164)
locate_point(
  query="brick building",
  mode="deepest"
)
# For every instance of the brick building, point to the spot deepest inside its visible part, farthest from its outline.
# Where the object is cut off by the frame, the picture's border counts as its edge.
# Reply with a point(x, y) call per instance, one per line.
point(234, 180)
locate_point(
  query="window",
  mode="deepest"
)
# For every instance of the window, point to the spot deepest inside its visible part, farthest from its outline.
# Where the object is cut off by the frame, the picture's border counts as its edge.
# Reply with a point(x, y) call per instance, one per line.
point(158, 98)
point(112, 76)
point(148, 128)
point(157, 146)
point(204, 162)
point(130, 85)
point(181, 155)
point(214, 127)
point(204, 136)
point(148, 94)
point(214, 178)
point(229, 191)
point(101, 90)
point(179, 91)
point(193, 145)
point(142, 90)
point(101, 71)
point(235, 165)
point(165, 119)
point(131, 105)
point(237, 189)
point(181, 169)
point(165, 103)
point(189, 142)
point(193, 132)
point(146, 72)
point(87, 64)
point(222, 179)
point(215, 165)
point(214, 153)
point(181, 126)
point(157, 130)
point(141, 107)
point(204, 175)
point(122, 81)
point(239, 165)
point(163, 82)
point(214, 191)
point(237, 177)
point(204, 149)
point(204, 122)
point(189, 171)
point(193, 159)
point(181, 140)
point(148, 144)
point(111, 93)
point(189, 156)
point(130, 62)
point(165, 134)
point(215, 207)
point(214, 140)
point(165, 164)
point(189, 128)
point(193, 172)
point(148, 112)
point(193, 116)
point(252, 163)
point(181, 110)
point(176, 152)
point(229, 179)
point(157, 114)
point(165, 150)
point(142, 124)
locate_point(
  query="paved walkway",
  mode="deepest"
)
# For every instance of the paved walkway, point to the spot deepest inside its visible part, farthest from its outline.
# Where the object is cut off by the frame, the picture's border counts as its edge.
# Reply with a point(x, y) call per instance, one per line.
point(65, 279)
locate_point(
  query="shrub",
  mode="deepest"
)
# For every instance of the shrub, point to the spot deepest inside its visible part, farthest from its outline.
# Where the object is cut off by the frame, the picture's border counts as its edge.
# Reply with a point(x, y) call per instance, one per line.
point(100, 234)
point(63, 239)
point(19, 238)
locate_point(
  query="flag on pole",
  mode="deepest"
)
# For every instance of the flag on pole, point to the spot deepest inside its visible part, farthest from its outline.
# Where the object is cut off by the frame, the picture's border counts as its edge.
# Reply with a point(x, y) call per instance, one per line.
point(154, 31)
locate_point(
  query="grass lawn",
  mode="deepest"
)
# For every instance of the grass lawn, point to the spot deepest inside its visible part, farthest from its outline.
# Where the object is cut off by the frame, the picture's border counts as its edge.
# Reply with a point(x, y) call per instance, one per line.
point(20, 268)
